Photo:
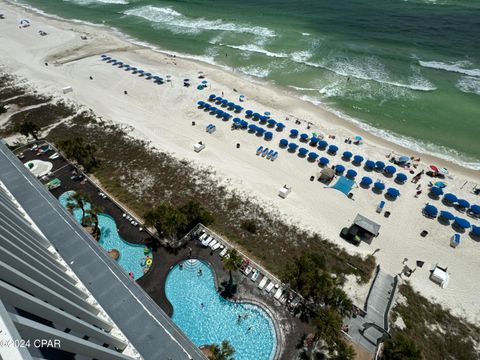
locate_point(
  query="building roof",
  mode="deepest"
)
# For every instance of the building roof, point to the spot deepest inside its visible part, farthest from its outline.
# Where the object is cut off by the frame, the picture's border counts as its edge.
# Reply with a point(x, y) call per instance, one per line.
point(143, 322)
point(367, 224)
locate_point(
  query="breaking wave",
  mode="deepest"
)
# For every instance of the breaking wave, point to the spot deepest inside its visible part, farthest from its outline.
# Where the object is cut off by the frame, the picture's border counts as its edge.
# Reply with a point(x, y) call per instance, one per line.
point(457, 67)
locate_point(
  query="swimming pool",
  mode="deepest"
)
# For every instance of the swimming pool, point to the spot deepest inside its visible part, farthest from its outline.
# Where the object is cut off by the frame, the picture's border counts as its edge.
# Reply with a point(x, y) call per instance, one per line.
point(207, 318)
point(131, 255)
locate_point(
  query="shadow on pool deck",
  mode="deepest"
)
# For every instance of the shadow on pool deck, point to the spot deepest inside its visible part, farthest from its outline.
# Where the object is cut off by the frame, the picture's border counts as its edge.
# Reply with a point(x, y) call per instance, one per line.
point(153, 282)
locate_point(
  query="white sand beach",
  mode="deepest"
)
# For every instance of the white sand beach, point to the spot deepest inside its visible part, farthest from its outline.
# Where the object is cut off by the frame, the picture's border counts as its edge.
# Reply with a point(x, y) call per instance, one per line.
point(163, 115)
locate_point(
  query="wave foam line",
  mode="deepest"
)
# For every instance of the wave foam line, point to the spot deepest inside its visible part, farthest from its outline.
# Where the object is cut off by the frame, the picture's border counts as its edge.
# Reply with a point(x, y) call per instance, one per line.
point(455, 67)
point(179, 23)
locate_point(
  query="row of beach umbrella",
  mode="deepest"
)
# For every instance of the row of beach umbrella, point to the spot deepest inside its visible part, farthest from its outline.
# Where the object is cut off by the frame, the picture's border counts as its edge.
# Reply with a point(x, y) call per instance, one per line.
point(452, 199)
point(432, 212)
point(127, 67)
point(225, 103)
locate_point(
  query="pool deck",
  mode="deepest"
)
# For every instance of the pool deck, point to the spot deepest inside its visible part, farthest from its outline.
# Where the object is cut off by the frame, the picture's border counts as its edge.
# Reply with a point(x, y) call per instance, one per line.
point(289, 328)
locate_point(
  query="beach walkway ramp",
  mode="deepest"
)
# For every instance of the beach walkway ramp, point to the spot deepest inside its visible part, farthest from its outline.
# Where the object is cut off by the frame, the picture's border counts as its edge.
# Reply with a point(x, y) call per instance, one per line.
point(370, 327)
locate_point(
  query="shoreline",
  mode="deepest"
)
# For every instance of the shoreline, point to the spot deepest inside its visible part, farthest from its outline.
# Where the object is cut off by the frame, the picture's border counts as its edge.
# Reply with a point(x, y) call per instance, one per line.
point(334, 116)
point(162, 115)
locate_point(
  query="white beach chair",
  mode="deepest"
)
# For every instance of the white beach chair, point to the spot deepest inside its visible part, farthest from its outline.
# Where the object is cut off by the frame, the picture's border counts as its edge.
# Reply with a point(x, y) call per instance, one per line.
point(269, 287)
point(213, 243)
point(207, 241)
point(223, 252)
point(278, 293)
point(263, 282)
point(248, 270)
point(203, 236)
point(216, 246)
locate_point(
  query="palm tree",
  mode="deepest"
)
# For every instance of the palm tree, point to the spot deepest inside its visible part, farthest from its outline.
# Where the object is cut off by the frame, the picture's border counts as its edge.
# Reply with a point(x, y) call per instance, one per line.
point(92, 218)
point(79, 151)
point(27, 128)
point(232, 262)
point(79, 200)
point(223, 352)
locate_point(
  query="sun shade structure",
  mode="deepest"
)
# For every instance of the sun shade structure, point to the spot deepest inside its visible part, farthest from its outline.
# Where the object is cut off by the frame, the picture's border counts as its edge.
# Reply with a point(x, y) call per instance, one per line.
point(475, 209)
point(475, 230)
point(390, 169)
point(280, 126)
point(463, 203)
point(403, 159)
point(462, 223)
point(238, 108)
point(332, 149)
point(446, 215)
point(314, 140)
point(392, 192)
point(256, 116)
point(292, 146)
point(304, 136)
point(302, 151)
point(212, 97)
point(401, 178)
point(226, 115)
point(312, 155)
point(294, 132)
point(323, 161)
point(357, 159)
point(379, 165)
point(351, 173)
point(263, 119)
point(260, 130)
point(322, 144)
point(430, 210)
point(249, 112)
point(366, 181)
point(369, 164)
point(450, 198)
point(271, 122)
point(201, 103)
point(283, 142)
point(268, 135)
point(343, 185)
point(436, 191)
point(368, 225)
point(252, 127)
point(347, 155)
point(379, 186)
point(339, 169)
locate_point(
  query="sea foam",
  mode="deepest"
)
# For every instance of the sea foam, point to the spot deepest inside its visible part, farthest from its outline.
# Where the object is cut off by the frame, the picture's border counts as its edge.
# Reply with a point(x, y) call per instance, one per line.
point(457, 67)
point(469, 84)
point(256, 49)
point(179, 23)
point(89, 2)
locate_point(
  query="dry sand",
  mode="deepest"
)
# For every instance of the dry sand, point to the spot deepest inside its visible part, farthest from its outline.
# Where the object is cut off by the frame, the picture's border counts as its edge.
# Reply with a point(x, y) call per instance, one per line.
point(163, 114)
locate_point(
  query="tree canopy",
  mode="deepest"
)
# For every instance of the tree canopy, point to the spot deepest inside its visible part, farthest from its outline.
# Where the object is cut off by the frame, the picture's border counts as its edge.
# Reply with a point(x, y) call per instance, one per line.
point(223, 352)
point(401, 347)
point(79, 151)
point(27, 128)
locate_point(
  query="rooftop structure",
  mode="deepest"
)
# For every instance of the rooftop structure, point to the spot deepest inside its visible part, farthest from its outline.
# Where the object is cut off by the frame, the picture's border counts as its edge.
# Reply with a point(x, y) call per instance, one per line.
point(58, 284)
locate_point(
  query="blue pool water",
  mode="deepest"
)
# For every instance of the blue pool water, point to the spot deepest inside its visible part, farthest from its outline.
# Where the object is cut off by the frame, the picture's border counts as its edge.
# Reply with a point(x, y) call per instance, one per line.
point(217, 320)
point(131, 255)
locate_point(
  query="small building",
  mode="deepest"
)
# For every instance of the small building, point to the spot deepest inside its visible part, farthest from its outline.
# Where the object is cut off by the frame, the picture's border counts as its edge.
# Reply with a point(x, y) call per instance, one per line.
point(440, 276)
point(284, 191)
point(199, 146)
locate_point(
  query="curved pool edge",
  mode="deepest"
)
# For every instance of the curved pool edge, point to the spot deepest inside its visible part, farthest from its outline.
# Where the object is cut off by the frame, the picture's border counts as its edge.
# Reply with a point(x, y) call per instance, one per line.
point(279, 334)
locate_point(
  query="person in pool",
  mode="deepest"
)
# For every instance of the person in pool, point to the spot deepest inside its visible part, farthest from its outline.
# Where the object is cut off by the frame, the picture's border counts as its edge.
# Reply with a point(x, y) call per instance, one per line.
point(199, 272)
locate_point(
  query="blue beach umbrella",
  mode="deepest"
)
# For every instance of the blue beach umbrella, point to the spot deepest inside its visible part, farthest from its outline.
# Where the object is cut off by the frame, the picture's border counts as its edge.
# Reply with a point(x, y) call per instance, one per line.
point(204, 82)
point(379, 165)
point(294, 132)
point(207, 106)
point(268, 135)
point(351, 173)
point(141, 71)
point(238, 108)
point(271, 122)
point(475, 230)
point(312, 155)
point(280, 126)
point(447, 215)
point(218, 99)
point(283, 143)
point(292, 146)
point(226, 115)
point(263, 119)
point(475, 209)
point(304, 136)
point(462, 223)
point(213, 109)
point(212, 97)
point(314, 140)
point(243, 124)
point(256, 115)
point(333, 149)
point(390, 169)
point(401, 178)
point(463, 203)
point(231, 105)
point(260, 130)
point(436, 191)
point(103, 56)
point(201, 104)
point(403, 159)
point(366, 181)
point(323, 161)
point(322, 144)
point(302, 151)
point(237, 121)
point(252, 127)
point(430, 210)
point(219, 112)
point(450, 198)
point(347, 155)
point(224, 102)
point(357, 159)
point(267, 113)
point(339, 169)
point(369, 164)
point(148, 74)
point(249, 112)
point(392, 192)
point(379, 185)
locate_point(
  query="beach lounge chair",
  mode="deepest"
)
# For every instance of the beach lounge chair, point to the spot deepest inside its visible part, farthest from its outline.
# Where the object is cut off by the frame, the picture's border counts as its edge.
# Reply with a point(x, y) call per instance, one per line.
point(216, 246)
point(207, 241)
point(203, 236)
point(278, 294)
point(269, 287)
point(259, 150)
point(255, 275)
point(265, 152)
point(274, 156)
point(223, 252)
point(380, 206)
point(263, 283)
point(270, 153)
point(213, 243)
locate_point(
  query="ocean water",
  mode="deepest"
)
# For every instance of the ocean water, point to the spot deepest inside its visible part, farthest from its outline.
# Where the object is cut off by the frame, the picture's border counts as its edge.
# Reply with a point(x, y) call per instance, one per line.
point(407, 70)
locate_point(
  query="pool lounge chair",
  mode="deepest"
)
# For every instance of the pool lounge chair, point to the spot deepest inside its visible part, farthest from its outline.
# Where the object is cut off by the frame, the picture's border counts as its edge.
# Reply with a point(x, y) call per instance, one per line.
point(259, 150)
point(278, 294)
point(255, 275)
point(207, 241)
point(223, 252)
point(216, 246)
point(269, 287)
point(213, 243)
point(203, 236)
point(248, 270)
point(263, 283)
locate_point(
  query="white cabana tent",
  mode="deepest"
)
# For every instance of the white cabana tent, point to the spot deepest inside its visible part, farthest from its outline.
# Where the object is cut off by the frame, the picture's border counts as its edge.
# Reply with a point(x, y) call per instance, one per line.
point(440, 276)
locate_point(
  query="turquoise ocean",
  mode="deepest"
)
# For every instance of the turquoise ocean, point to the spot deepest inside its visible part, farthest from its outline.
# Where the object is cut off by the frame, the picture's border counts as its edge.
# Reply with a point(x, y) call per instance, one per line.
point(406, 70)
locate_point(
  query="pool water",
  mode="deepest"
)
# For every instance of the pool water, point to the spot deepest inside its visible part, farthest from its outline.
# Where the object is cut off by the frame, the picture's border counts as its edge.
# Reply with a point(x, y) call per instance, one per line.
point(253, 337)
point(131, 255)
